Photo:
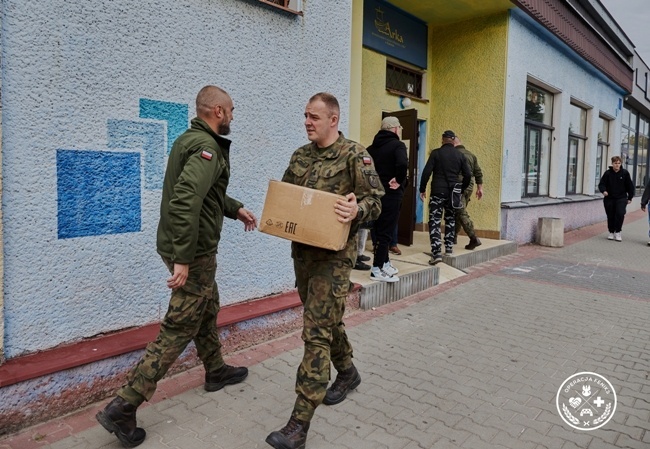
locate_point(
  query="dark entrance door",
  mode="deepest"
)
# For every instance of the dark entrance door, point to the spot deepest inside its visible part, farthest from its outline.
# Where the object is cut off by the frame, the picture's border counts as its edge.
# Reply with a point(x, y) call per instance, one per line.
point(406, 224)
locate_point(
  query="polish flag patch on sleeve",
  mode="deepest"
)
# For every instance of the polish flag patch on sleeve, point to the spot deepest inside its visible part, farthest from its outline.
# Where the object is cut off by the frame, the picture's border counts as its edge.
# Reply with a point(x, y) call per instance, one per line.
point(206, 155)
point(367, 160)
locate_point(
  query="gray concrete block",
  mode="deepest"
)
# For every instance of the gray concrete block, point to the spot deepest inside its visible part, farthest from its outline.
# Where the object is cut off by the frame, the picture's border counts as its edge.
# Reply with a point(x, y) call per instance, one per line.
point(550, 232)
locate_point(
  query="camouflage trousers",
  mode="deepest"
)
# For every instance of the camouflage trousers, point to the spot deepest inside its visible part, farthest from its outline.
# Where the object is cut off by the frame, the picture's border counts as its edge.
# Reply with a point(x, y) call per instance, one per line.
point(191, 316)
point(436, 207)
point(323, 287)
point(462, 217)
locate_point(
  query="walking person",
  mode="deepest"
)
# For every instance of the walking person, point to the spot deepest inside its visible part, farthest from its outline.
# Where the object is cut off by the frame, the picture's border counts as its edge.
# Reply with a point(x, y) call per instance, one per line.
point(444, 166)
point(618, 189)
point(462, 217)
point(333, 164)
point(644, 202)
point(194, 203)
point(389, 154)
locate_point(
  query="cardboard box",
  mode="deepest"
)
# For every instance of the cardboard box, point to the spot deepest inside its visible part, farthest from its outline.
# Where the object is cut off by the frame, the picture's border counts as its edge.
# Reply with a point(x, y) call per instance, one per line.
point(304, 215)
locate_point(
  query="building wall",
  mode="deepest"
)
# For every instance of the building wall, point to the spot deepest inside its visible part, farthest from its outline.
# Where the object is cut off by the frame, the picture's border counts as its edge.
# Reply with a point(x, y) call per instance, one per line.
point(375, 98)
point(534, 52)
point(93, 95)
point(467, 89)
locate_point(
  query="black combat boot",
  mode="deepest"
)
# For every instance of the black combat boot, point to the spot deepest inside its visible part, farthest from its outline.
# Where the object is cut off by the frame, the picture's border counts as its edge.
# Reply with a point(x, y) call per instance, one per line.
point(345, 382)
point(119, 418)
point(291, 436)
point(226, 375)
point(473, 243)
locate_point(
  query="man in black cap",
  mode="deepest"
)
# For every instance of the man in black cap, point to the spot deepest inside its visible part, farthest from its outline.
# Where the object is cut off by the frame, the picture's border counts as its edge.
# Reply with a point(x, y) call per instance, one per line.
point(445, 166)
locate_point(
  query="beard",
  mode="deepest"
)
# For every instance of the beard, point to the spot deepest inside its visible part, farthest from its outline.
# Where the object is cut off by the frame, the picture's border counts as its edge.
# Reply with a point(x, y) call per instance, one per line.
point(223, 129)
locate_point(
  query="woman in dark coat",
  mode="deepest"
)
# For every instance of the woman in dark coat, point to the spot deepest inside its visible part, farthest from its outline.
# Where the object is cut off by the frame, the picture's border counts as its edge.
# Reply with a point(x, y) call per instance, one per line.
point(617, 187)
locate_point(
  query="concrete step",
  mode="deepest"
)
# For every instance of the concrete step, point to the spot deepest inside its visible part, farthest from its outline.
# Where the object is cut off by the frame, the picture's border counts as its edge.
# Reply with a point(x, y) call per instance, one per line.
point(416, 274)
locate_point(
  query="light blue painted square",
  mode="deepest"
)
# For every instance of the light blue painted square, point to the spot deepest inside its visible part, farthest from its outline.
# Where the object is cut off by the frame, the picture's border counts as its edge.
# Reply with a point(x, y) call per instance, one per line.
point(150, 137)
point(99, 193)
point(175, 114)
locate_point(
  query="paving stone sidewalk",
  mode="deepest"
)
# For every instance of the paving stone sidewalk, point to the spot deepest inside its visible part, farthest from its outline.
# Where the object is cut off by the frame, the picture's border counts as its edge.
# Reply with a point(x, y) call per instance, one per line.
point(473, 364)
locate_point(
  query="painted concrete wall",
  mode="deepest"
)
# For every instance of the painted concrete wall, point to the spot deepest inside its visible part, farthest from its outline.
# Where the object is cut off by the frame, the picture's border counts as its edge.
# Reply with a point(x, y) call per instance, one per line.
point(532, 51)
point(2, 308)
point(467, 87)
point(94, 93)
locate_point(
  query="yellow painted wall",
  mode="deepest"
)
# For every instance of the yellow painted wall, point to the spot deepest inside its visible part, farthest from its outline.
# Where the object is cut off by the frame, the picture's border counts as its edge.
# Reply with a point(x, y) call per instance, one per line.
point(375, 98)
point(467, 73)
point(466, 89)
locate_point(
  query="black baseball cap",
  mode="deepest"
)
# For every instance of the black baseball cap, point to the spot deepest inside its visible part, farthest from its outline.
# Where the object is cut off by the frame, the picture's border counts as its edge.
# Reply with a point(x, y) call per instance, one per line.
point(449, 134)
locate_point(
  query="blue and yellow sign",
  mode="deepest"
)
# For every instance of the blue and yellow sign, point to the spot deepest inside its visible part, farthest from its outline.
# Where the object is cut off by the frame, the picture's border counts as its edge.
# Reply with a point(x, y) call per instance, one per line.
point(391, 31)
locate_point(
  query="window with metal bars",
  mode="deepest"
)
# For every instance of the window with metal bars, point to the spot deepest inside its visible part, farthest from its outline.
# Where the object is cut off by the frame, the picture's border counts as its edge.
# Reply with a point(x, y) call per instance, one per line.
point(403, 80)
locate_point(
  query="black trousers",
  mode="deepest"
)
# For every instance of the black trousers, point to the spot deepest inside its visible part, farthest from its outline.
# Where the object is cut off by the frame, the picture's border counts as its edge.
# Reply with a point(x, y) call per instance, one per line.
point(615, 210)
point(385, 226)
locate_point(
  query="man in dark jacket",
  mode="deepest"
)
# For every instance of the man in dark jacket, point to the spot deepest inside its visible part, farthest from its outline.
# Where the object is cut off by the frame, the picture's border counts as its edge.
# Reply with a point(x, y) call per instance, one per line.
point(445, 165)
point(617, 187)
point(194, 202)
point(389, 154)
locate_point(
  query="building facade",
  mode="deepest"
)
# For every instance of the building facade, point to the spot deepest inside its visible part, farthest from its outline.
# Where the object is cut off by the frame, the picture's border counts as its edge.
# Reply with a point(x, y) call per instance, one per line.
point(94, 93)
point(535, 88)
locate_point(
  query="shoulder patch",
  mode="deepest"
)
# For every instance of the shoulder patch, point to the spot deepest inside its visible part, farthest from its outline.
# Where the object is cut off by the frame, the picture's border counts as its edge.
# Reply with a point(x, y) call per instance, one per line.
point(367, 160)
point(206, 155)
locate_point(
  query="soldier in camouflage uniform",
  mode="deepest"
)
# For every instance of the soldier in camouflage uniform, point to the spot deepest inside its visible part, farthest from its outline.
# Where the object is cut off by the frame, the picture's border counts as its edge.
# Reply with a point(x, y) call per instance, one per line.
point(462, 217)
point(333, 164)
point(194, 202)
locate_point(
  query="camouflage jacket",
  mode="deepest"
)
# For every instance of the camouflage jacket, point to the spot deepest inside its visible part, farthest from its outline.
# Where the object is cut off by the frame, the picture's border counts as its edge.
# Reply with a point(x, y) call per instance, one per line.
point(342, 168)
point(477, 173)
point(194, 199)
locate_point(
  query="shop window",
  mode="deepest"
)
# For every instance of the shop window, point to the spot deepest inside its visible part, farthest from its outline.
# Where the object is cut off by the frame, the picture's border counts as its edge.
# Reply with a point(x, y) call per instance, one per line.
point(635, 131)
point(294, 6)
point(602, 150)
point(537, 142)
point(404, 81)
point(577, 145)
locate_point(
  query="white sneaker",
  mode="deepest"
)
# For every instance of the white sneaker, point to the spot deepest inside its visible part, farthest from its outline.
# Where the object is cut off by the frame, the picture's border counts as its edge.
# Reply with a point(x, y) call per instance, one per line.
point(610, 236)
point(380, 275)
point(617, 237)
point(390, 269)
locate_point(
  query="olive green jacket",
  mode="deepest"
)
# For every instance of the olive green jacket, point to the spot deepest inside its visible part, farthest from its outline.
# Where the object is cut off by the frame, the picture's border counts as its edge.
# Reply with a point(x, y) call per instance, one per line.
point(194, 199)
point(343, 167)
point(477, 173)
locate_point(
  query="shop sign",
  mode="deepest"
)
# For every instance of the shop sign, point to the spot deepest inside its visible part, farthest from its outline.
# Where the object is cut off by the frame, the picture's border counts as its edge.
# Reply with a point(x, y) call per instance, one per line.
point(393, 32)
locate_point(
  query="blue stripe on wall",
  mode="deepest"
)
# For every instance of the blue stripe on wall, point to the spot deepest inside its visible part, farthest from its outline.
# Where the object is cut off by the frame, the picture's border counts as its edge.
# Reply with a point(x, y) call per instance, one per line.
point(150, 137)
point(98, 193)
point(175, 114)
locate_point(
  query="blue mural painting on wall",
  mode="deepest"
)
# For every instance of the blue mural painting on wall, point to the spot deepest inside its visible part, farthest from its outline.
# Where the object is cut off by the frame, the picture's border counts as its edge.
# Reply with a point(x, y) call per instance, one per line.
point(150, 137)
point(175, 114)
point(91, 203)
point(100, 192)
